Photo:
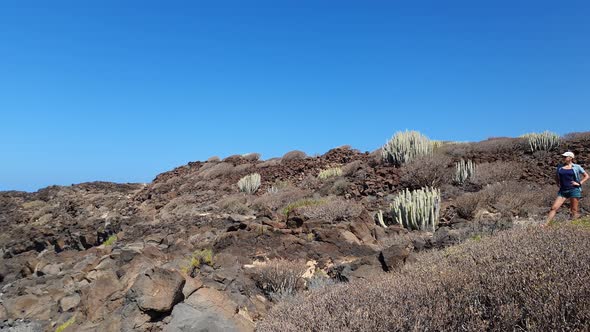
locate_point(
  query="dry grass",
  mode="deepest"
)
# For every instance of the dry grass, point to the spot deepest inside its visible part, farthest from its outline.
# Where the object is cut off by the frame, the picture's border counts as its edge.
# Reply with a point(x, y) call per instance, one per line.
point(527, 279)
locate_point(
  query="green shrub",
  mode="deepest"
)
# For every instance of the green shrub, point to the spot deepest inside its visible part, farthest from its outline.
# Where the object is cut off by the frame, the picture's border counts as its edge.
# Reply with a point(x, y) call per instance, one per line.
point(250, 183)
point(545, 141)
point(198, 258)
point(405, 146)
point(330, 173)
point(418, 209)
point(526, 279)
point(111, 240)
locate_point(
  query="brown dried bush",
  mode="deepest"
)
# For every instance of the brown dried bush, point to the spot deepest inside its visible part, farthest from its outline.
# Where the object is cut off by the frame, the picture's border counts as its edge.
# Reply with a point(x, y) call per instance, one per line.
point(280, 278)
point(510, 198)
point(333, 210)
point(294, 155)
point(340, 187)
point(213, 170)
point(491, 146)
point(269, 163)
point(467, 205)
point(252, 156)
point(430, 171)
point(234, 204)
point(577, 136)
point(351, 168)
point(526, 279)
point(279, 199)
point(489, 173)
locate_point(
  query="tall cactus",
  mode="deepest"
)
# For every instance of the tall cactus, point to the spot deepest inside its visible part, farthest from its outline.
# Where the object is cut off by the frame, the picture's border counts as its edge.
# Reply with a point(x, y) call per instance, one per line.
point(418, 209)
point(405, 146)
point(545, 141)
point(464, 171)
point(249, 183)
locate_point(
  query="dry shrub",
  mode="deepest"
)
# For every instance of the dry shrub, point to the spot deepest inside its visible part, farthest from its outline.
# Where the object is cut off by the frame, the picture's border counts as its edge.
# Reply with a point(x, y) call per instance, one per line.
point(430, 171)
point(213, 159)
point(489, 173)
point(234, 204)
point(280, 198)
point(311, 182)
point(340, 187)
point(334, 210)
point(251, 156)
point(213, 170)
point(269, 163)
point(351, 168)
point(526, 279)
point(294, 155)
point(243, 168)
point(493, 146)
point(510, 198)
point(280, 278)
point(577, 136)
point(467, 205)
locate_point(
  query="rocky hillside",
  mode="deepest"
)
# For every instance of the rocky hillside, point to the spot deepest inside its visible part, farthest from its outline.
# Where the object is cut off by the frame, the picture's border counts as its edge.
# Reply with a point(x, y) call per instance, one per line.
point(190, 250)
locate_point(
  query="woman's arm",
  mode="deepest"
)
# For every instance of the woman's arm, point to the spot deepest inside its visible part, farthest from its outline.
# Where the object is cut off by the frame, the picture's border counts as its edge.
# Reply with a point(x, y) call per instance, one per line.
point(586, 177)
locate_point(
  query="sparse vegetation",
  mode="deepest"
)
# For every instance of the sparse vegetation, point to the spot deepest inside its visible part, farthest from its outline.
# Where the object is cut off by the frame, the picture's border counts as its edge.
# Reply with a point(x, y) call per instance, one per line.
point(418, 209)
point(250, 183)
point(405, 146)
point(528, 279)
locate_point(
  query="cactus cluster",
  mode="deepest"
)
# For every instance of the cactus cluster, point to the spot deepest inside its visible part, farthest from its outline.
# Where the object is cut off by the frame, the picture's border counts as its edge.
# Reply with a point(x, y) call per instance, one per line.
point(418, 209)
point(464, 171)
point(250, 183)
point(330, 172)
point(405, 146)
point(545, 141)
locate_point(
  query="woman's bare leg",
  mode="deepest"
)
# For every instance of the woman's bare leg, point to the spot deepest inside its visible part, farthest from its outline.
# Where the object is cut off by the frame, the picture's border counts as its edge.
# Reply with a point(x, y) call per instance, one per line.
point(574, 208)
point(556, 205)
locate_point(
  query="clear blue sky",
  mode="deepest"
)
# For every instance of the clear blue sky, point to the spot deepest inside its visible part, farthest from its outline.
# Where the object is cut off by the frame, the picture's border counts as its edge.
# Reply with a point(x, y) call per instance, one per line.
point(124, 90)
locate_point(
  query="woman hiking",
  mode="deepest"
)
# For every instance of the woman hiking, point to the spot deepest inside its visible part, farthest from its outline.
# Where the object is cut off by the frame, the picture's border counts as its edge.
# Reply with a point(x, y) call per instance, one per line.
point(570, 178)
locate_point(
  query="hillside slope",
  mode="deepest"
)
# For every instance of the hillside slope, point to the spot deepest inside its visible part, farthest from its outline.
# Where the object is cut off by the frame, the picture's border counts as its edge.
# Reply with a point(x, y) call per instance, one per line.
point(192, 236)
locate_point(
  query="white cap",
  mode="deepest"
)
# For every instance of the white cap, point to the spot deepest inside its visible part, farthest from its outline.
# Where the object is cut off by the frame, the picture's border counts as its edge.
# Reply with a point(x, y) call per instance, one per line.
point(568, 154)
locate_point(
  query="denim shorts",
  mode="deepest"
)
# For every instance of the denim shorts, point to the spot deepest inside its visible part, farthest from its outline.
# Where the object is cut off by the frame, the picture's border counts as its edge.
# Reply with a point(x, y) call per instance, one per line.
point(571, 193)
